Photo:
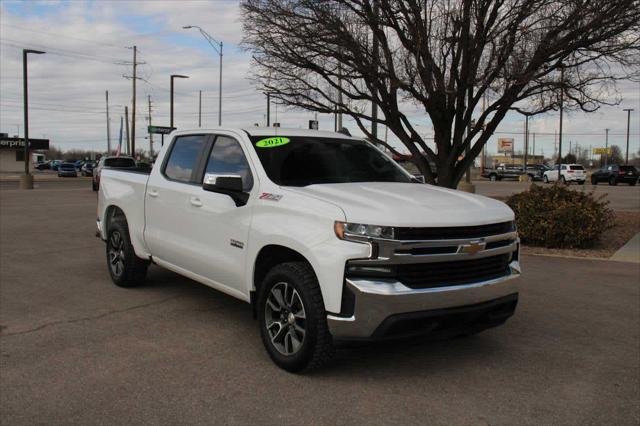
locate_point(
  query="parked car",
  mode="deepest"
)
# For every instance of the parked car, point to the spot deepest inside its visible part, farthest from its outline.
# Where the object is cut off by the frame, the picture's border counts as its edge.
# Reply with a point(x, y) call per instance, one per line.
point(616, 173)
point(45, 165)
point(121, 162)
point(54, 164)
point(78, 164)
point(568, 173)
point(67, 169)
point(324, 235)
point(87, 168)
point(536, 171)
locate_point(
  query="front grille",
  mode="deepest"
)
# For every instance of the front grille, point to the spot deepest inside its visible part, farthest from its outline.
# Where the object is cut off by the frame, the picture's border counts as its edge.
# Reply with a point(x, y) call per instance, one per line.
point(456, 232)
point(442, 274)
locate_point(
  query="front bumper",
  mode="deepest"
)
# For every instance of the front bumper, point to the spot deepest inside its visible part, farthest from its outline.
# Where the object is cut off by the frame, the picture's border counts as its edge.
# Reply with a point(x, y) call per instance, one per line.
point(378, 301)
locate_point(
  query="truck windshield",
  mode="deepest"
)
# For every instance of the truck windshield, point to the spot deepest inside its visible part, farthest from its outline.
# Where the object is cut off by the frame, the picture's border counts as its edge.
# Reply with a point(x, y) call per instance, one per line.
point(302, 161)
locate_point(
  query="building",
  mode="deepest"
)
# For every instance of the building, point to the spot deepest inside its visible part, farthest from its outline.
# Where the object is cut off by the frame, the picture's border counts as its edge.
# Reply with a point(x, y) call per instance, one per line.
point(12, 152)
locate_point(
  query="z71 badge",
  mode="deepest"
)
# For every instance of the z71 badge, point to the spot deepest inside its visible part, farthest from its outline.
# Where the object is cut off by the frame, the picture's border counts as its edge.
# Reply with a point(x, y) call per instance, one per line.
point(269, 196)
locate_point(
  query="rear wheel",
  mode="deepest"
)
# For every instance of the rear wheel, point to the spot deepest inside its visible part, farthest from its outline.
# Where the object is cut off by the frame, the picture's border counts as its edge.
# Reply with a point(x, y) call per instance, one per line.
point(493, 178)
point(293, 321)
point(613, 181)
point(545, 179)
point(126, 269)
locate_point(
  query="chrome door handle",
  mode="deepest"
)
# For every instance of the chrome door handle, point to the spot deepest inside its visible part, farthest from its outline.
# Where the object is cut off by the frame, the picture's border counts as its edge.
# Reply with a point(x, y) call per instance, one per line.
point(152, 193)
point(195, 201)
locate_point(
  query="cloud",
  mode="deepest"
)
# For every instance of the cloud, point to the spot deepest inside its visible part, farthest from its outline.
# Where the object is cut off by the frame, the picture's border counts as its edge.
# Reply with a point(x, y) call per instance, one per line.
point(86, 55)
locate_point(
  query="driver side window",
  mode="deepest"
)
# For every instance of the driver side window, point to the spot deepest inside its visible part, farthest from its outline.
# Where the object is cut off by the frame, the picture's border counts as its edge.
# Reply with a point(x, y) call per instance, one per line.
point(227, 158)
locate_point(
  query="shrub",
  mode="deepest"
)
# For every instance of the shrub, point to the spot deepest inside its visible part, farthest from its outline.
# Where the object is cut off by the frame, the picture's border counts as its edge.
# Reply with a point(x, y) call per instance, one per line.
point(557, 217)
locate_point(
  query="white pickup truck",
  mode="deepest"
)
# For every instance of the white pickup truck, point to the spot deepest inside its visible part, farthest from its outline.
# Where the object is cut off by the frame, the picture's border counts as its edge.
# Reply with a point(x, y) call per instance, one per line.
point(323, 234)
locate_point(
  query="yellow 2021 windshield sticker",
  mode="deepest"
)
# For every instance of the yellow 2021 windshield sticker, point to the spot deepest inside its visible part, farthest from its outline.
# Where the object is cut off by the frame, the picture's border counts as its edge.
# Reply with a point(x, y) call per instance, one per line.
point(272, 142)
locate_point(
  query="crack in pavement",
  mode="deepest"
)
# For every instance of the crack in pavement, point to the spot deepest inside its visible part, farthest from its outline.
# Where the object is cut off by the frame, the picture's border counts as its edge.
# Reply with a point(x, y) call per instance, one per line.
point(74, 320)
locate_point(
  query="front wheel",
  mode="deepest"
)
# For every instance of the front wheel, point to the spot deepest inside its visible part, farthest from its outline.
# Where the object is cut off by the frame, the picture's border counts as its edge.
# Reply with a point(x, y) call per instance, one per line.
point(293, 321)
point(493, 178)
point(126, 269)
point(613, 181)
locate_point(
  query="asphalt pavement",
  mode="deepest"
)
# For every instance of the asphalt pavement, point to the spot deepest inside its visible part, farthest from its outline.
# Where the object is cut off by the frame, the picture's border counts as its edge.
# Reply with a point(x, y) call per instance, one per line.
point(75, 349)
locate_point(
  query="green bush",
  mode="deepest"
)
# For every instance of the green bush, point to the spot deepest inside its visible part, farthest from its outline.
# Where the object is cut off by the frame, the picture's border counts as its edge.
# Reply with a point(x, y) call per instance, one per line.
point(557, 217)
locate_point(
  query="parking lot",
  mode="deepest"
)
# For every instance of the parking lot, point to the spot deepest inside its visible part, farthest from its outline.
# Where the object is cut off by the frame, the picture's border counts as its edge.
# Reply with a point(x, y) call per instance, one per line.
point(75, 349)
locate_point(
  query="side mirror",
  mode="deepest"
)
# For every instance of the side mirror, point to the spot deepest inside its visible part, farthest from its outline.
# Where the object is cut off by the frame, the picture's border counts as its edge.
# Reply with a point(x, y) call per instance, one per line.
point(418, 178)
point(230, 185)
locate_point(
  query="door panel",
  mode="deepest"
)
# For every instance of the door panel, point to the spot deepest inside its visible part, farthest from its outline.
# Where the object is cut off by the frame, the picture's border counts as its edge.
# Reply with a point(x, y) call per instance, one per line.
point(167, 201)
point(219, 229)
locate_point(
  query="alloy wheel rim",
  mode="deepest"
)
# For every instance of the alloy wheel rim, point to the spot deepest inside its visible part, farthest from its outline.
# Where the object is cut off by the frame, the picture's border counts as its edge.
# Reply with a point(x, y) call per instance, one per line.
point(285, 318)
point(116, 253)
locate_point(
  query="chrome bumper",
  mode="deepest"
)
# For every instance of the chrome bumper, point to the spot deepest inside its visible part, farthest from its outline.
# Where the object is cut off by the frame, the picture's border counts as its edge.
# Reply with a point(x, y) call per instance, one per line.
point(376, 300)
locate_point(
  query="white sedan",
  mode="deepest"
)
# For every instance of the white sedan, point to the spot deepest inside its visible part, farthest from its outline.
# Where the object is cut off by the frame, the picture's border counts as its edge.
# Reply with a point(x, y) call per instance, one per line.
point(568, 173)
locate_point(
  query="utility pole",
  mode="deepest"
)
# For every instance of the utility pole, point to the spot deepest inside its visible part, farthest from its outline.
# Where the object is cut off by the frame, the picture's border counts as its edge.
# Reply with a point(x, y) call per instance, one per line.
point(534, 146)
point(606, 147)
point(340, 96)
point(150, 134)
point(126, 122)
point(526, 144)
point(626, 157)
point(200, 109)
point(133, 112)
point(268, 109)
point(561, 112)
point(374, 105)
point(106, 92)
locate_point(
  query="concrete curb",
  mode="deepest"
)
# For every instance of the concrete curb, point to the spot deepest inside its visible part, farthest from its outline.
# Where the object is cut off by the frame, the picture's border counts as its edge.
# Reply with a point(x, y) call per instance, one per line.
point(630, 252)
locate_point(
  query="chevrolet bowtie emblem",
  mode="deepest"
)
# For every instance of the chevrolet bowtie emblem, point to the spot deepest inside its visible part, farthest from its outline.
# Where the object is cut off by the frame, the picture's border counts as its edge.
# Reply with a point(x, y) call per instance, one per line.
point(471, 248)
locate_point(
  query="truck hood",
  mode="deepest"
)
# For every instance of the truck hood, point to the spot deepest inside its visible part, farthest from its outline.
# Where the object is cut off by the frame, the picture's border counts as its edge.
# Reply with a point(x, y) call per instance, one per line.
point(404, 204)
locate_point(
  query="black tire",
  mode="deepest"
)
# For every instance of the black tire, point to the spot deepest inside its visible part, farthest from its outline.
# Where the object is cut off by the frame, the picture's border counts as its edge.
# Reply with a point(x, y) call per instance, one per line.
point(594, 181)
point(613, 181)
point(315, 348)
point(581, 182)
point(545, 179)
point(493, 178)
point(126, 269)
point(633, 183)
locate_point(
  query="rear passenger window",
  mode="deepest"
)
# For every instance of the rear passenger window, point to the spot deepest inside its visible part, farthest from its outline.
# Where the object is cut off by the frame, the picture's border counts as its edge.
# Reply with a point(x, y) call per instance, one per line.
point(184, 157)
point(227, 158)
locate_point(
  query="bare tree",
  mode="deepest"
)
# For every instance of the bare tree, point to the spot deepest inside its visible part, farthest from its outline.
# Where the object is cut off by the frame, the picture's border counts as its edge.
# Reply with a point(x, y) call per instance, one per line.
point(441, 57)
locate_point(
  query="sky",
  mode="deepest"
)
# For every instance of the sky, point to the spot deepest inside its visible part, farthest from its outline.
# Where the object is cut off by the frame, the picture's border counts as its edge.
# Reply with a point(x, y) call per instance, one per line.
point(88, 45)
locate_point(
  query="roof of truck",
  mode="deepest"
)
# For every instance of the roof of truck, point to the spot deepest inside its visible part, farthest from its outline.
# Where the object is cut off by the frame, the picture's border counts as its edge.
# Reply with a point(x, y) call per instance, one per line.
point(272, 131)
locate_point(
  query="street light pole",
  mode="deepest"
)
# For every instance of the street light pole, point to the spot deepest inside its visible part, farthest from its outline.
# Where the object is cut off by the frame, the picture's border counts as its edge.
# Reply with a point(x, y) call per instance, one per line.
point(217, 46)
point(171, 96)
point(626, 157)
point(26, 182)
point(561, 111)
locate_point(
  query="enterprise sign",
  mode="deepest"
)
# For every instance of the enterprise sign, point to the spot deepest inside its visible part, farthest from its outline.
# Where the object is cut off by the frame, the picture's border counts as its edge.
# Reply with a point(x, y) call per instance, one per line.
point(18, 143)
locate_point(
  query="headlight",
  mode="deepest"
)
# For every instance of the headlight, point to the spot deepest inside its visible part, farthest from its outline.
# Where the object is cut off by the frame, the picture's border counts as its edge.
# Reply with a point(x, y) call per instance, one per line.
point(344, 230)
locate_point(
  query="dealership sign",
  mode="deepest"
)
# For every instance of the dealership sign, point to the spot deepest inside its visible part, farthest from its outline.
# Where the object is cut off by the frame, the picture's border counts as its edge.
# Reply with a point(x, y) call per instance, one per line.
point(505, 144)
point(18, 143)
point(602, 151)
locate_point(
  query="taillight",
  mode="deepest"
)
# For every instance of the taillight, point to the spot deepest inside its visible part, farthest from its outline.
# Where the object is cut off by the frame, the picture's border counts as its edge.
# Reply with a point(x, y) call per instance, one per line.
point(620, 172)
point(569, 171)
